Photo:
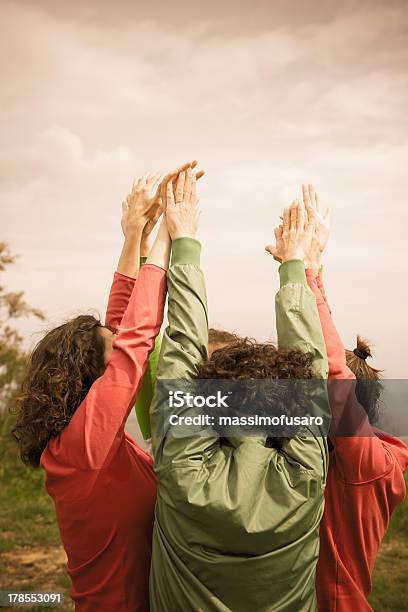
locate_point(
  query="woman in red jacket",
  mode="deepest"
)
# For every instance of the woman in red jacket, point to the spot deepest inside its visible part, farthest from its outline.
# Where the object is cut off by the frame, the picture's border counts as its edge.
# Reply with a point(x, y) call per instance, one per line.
point(366, 471)
point(80, 386)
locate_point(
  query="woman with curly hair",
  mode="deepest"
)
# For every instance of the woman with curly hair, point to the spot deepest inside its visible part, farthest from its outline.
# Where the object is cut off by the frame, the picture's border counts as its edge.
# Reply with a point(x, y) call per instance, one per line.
point(237, 517)
point(81, 383)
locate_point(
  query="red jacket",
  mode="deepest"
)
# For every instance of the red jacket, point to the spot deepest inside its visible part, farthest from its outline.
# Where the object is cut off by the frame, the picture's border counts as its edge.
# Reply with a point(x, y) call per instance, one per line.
point(364, 485)
point(102, 483)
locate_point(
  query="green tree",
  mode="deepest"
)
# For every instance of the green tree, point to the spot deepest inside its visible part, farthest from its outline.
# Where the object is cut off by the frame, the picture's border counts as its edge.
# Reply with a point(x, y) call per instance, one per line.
point(12, 355)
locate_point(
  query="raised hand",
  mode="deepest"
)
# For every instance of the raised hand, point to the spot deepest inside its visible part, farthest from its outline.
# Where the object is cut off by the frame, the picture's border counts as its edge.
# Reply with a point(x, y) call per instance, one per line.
point(276, 251)
point(311, 201)
point(294, 237)
point(140, 208)
point(181, 206)
point(148, 194)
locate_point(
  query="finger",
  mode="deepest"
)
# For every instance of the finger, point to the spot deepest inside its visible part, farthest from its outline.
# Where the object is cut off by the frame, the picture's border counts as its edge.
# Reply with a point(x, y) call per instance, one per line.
point(187, 185)
point(180, 186)
point(142, 182)
point(183, 168)
point(163, 185)
point(301, 213)
point(174, 175)
point(168, 177)
point(306, 197)
point(286, 216)
point(193, 194)
point(136, 183)
point(199, 174)
point(273, 251)
point(311, 220)
point(124, 207)
point(169, 194)
point(278, 232)
point(312, 193)
point(293, 216)
point(154, 179)
point(318, 206)
point(326, 215)
point(286, 219)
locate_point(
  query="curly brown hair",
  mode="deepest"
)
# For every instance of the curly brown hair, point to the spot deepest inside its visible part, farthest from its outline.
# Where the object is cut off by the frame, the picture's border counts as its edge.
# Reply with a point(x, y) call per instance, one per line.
point(245, 359)
point(60, 370)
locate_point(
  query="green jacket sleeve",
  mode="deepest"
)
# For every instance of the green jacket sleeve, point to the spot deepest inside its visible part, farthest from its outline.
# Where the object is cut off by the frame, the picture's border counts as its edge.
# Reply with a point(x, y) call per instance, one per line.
point(145, 396)
point(298, 326)
point(184, 347)
point(144, 399)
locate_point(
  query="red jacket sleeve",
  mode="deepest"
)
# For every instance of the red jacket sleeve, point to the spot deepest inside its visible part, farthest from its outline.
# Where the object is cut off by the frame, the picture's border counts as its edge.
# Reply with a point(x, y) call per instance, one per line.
point(96, 430)
point(119, 296)
point(359, 453)
point(319, 280)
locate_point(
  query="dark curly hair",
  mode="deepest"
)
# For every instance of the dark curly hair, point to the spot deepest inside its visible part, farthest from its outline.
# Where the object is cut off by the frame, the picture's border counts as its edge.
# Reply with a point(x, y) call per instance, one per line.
point(245, 359)
point(60, 370)
point(369, 388)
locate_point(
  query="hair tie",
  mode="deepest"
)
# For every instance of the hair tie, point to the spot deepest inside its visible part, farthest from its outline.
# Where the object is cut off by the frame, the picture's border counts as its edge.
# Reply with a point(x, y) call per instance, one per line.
point(358, 353)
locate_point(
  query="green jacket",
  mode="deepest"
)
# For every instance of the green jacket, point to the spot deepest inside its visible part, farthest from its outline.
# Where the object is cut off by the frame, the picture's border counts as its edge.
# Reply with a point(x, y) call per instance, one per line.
point(146, 391)
point(237, 523)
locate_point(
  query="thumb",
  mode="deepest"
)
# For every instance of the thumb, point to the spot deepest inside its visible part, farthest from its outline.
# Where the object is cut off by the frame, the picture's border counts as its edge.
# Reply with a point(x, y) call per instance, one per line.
point(273, 251)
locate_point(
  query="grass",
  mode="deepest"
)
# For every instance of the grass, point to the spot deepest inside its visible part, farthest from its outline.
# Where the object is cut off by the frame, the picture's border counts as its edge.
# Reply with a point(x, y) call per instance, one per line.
point(31, 557)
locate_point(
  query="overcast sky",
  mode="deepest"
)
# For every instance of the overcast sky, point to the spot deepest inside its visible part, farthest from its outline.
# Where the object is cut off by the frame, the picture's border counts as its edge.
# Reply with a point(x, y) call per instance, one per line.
point(265, 94)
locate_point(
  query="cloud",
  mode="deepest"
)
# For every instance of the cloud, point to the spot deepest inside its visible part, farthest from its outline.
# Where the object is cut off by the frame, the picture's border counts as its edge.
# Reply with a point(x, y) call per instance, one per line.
point(265, 96)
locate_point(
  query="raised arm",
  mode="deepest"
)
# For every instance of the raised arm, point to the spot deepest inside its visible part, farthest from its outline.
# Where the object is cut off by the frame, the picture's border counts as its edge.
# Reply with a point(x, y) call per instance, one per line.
point(185, 341)
point(136, 240)
point(146, 195)
point(97, 428)
point(360, 455)
point(298, 326)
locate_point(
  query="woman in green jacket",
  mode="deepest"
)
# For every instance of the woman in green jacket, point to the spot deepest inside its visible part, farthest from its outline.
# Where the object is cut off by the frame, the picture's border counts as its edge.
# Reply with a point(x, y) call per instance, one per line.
point(237, 520)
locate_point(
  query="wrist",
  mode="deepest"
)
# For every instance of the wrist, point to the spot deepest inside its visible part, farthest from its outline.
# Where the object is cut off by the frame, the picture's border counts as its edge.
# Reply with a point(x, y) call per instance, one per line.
point(312, 264)
point(135, 233)
point(183, 234)
point(292, 256)
point(144, 246)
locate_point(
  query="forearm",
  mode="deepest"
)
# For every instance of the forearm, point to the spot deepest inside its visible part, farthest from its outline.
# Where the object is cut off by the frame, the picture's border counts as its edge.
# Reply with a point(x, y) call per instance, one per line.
point(144, 246)
point(298, 327)
point(160, 252)
point(129, 260)
point(119, 296)
point(320, 284)
point(184, 347)
point(297, 320)
point(96, 428)
point(336, 354)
